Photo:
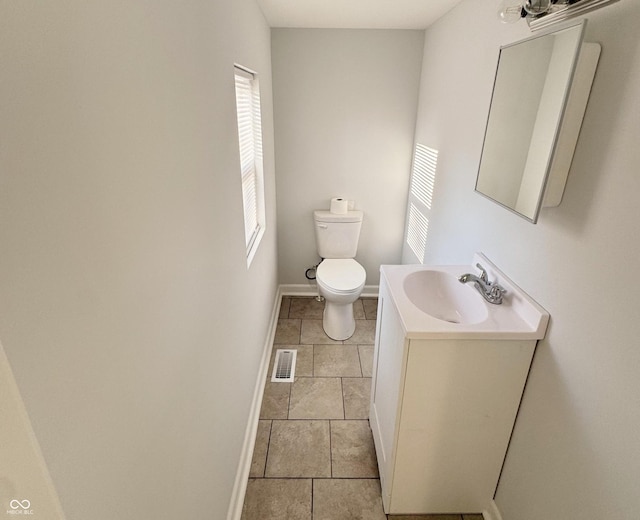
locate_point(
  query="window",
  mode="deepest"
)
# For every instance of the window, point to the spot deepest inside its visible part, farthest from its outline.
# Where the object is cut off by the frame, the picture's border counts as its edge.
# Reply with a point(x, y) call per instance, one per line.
point(423, 177)
point(250, 143)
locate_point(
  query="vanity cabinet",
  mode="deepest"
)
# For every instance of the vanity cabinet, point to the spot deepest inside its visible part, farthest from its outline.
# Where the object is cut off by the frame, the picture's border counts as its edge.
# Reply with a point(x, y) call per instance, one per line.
point(442, 412)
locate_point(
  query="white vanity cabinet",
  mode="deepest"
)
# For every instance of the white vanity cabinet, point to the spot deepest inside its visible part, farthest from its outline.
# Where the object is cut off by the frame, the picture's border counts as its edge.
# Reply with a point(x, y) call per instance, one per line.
point(442, 413)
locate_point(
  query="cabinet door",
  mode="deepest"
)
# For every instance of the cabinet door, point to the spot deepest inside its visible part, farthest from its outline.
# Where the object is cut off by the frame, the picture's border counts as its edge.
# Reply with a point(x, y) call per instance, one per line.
point(460, 402)
point(386, 388)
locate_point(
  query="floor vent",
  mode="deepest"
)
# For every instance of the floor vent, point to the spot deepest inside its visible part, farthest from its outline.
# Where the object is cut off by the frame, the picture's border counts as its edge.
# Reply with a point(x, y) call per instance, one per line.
point(284, 367)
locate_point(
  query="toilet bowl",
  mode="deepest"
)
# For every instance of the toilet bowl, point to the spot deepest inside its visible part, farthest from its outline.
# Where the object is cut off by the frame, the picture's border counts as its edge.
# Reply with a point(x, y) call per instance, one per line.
point(340, 282)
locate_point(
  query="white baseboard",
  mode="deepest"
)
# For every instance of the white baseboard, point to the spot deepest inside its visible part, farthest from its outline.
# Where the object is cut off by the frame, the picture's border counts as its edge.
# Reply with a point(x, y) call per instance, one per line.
point(302, 289)
point(492, 512)
point(311, 289)
point(370, 291)
point(244, 465)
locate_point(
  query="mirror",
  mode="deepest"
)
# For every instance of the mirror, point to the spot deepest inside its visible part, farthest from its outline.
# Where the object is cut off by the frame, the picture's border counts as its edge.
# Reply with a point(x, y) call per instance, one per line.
point(530, 93)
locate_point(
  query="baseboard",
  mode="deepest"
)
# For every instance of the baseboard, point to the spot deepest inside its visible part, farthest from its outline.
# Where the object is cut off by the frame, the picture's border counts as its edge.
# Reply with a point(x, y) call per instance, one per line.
point(492, 512)
point(370, 291)
point(244, 466)
point(306, 289)
point(311, 289)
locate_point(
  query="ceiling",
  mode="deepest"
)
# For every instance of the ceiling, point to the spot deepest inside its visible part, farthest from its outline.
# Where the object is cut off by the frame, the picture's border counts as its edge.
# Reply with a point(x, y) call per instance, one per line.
point(355, 14)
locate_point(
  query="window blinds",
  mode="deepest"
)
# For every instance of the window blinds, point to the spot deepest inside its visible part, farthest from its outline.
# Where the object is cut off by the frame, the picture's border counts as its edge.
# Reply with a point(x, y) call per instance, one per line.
point(250, 141)
point(423, 178)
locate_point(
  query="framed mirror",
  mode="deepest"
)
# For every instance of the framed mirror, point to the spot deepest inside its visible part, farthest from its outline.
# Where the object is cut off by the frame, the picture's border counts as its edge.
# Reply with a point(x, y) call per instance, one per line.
point(530, 94)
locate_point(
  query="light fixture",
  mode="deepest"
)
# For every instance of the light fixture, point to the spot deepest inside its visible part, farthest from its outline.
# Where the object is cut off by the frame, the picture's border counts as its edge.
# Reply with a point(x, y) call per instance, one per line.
point(537, 7)
point(542, 13)
point(510, 11)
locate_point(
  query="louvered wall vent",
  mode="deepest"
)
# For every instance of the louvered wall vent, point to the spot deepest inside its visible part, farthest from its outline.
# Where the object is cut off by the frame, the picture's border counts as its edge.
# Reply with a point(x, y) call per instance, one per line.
point(284, 367)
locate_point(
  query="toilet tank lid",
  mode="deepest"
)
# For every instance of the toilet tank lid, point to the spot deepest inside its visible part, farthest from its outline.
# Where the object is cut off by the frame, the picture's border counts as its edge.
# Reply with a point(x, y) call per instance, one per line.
point(326, 216)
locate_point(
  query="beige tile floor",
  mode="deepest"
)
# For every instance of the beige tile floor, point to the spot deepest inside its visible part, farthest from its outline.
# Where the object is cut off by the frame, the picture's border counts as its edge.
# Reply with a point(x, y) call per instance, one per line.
point(314, 457)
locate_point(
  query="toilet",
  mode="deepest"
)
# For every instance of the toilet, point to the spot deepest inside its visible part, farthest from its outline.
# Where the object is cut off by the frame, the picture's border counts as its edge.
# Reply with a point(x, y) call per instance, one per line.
point(339, 277)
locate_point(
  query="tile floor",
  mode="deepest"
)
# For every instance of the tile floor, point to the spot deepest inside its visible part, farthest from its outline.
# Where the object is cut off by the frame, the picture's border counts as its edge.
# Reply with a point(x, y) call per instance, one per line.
point(314, 457)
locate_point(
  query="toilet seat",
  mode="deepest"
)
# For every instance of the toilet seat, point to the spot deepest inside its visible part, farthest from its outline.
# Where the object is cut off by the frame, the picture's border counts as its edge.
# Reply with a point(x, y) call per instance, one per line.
point(341, 275)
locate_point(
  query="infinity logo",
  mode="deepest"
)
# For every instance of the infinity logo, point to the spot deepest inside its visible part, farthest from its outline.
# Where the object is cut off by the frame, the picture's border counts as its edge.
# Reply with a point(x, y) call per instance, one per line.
point(19, 504)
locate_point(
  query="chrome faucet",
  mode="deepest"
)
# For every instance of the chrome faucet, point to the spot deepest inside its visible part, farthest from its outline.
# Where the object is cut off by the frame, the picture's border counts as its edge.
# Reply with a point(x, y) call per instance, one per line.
point(490, 291)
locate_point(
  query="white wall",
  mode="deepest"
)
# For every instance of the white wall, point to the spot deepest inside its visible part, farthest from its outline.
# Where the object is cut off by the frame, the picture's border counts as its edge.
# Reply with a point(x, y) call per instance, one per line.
point(345, 104)
point(25, 483)
point(132, 325)
point(575, 452)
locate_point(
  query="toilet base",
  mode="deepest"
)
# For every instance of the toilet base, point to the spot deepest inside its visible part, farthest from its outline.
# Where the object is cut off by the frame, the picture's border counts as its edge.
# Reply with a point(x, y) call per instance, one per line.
point(338, 321)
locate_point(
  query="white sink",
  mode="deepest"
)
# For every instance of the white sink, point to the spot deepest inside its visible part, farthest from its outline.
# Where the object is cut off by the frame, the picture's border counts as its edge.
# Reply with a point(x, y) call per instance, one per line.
point(433, 304)
point(442, 296)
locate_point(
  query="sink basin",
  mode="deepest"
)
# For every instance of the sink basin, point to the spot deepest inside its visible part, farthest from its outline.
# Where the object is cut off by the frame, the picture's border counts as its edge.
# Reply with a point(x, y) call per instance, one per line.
point(440, 295)
point(433, 304)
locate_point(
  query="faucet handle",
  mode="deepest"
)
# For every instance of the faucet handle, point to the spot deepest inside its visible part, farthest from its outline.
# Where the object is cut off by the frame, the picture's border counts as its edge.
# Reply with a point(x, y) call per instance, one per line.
point(483, 276)
point(495, 294)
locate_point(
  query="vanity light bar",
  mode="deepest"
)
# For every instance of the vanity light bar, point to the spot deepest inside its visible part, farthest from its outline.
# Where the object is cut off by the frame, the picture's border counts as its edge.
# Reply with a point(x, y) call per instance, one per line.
point(564, 11)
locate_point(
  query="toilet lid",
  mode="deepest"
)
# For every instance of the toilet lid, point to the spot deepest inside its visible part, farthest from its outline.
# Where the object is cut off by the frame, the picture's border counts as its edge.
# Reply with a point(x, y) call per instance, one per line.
point(343, 274)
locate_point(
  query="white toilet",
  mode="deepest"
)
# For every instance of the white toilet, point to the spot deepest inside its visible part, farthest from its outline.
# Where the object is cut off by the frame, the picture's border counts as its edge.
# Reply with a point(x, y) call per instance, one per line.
point(340, 278)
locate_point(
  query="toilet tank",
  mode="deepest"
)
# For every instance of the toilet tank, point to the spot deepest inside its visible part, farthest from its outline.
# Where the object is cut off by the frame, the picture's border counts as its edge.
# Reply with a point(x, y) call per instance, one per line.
point(337, 234)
